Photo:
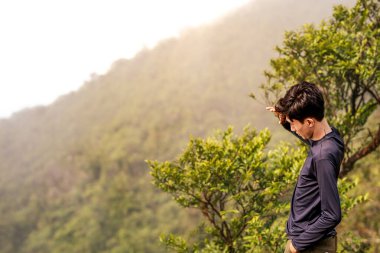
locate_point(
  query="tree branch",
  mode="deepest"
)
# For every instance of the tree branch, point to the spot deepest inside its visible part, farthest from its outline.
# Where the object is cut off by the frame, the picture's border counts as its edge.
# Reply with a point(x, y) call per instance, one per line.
point(373, 94)
point(348, 165)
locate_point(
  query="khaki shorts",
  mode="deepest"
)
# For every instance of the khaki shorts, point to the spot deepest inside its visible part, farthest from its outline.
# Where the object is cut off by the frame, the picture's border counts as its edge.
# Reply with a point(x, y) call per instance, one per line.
point(327, 245)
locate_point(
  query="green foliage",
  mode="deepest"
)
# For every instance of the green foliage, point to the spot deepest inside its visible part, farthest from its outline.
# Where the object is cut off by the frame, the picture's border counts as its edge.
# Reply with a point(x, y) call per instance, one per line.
point(235, 183)
point(352, 243)
point(72, 174)
point(363, 221)
point(241, 188)
point(341, 56)
point(349, 202)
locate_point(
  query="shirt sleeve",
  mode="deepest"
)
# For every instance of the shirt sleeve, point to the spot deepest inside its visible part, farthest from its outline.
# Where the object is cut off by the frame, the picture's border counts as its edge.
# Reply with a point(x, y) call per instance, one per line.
point(330, 207)
point(286, 125)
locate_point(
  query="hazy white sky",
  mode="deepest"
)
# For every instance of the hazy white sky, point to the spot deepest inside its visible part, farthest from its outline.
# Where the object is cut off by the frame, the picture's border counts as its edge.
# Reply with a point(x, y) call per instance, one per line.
point(50, 47)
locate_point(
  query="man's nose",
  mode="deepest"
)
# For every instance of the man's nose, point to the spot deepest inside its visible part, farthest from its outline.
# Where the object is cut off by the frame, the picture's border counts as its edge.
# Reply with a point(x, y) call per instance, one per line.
point(292, 128)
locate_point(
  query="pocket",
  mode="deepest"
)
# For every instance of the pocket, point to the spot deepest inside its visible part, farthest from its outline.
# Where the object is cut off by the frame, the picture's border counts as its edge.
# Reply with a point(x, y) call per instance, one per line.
point(327, 245)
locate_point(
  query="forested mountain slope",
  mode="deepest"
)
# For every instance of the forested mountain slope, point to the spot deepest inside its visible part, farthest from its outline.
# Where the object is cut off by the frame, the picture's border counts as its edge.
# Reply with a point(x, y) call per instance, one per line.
point(72, 174)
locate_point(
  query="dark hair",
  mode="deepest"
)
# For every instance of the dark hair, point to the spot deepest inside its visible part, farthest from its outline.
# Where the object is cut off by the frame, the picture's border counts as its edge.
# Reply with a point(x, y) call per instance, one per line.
point(301, 101)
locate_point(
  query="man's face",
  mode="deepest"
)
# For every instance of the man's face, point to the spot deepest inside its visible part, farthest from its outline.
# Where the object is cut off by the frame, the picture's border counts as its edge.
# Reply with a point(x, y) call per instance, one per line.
point(304, 129)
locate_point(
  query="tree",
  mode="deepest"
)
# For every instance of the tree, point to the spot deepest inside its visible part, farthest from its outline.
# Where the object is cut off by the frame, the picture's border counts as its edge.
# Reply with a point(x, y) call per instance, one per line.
point(342, 57)
point(241, 188)
point(231, 180)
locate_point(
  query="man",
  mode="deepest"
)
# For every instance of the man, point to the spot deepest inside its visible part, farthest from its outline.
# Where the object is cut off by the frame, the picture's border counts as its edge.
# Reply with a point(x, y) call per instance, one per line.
point(315, 206)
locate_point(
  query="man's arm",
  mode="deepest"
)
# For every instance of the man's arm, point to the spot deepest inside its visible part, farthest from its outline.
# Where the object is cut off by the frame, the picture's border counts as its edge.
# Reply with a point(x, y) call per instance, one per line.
point(282, 120)
point(286, 125)
point(330, 206)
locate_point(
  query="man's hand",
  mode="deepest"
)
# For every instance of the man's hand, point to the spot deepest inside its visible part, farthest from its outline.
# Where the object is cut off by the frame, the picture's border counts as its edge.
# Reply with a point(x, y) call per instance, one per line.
point(292, 249)
point(281, 117)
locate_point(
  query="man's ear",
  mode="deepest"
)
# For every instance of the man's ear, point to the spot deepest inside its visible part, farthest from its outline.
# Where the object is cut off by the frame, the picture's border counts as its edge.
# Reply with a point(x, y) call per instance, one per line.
point(310, 122)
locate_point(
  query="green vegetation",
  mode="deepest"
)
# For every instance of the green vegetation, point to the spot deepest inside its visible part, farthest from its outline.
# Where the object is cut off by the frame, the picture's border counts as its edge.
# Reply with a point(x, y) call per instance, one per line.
point(72, 174)
point(342, 57)
point(234, 184)
point(242, 190)
point(230, 181)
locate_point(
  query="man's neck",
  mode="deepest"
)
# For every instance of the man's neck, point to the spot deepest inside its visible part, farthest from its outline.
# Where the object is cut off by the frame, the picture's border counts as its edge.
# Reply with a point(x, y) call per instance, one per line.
point(321, 129)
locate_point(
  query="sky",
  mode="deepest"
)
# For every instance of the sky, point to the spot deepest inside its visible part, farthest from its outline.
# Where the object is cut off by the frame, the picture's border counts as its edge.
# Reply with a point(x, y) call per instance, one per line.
point(51, 47)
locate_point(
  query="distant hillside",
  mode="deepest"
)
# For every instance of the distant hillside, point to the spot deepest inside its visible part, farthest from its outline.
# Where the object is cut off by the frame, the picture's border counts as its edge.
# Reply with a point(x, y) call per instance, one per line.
point(73, 176)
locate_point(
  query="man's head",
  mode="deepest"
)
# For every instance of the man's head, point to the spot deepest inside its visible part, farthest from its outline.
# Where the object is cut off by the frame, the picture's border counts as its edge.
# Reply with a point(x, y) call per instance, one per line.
point(303, 104)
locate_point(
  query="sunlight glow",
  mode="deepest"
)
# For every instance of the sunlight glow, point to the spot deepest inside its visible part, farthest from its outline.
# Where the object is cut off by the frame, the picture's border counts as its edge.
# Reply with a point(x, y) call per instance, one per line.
point(49, 48)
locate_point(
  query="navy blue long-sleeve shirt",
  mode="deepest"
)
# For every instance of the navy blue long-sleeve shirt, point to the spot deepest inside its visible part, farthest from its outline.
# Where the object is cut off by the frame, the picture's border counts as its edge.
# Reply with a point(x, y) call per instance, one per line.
point(315, 207)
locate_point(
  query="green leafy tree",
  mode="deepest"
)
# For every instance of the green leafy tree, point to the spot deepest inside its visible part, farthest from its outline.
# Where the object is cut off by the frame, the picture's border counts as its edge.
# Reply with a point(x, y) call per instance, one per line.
point(341, 55)
point(239, 185)
point(232, 181)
